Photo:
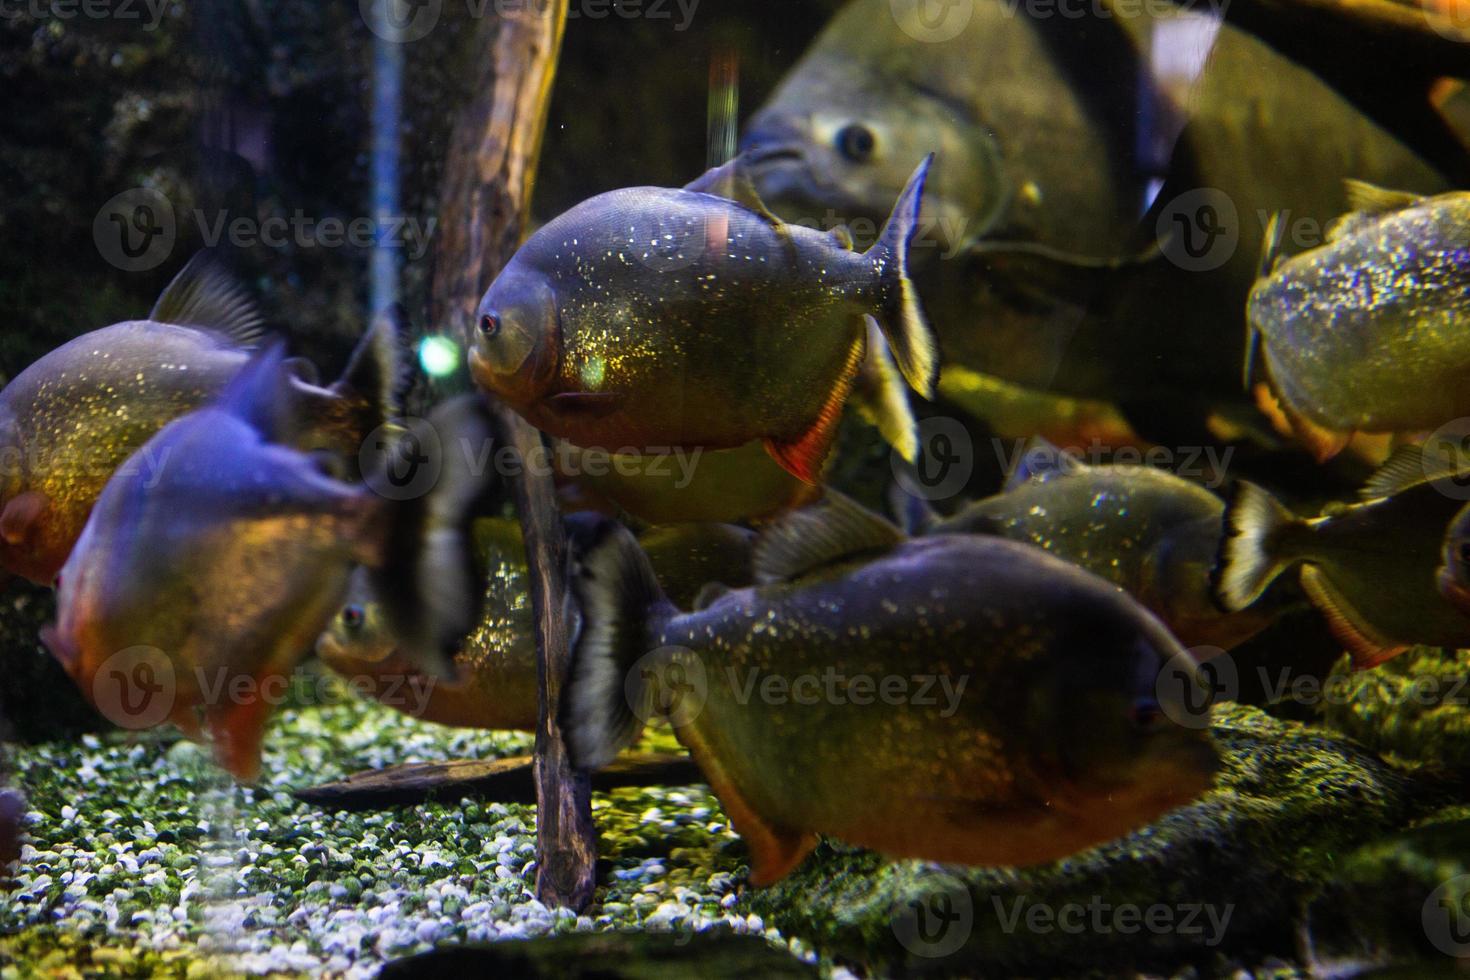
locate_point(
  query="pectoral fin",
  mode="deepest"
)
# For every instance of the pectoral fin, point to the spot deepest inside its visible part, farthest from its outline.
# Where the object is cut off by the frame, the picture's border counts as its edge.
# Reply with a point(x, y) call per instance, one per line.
point(803, 457)
point(21, 515)
point(238, 729)
point(1365, 644)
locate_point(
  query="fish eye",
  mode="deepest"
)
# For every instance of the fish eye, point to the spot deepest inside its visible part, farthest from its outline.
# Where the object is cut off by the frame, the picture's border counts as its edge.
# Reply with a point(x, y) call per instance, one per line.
point(353, 618)
point(489, 325)
point(856, 142)
point(1146, 715)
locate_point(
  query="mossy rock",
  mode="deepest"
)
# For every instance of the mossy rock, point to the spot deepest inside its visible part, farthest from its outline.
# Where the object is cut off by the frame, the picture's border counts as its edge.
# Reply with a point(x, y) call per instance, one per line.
point(1415, 707)
point(1405, 897)
point(1292, 801)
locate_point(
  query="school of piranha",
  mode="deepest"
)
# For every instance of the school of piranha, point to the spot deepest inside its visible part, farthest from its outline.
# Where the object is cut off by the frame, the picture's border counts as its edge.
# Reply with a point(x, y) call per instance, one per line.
point(187, 487)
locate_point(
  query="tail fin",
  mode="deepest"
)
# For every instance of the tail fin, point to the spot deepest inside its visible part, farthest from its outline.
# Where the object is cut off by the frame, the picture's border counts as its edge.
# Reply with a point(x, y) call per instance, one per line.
point(1249, 558)
point(899, 315)
point(427, 581)
point(605, 702)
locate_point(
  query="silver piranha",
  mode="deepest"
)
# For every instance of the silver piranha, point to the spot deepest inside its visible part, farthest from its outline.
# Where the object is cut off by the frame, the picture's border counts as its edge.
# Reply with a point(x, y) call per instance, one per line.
point(1020, 714)
point(73, 417)
point(654, 317)
point(1151, 533)
point(224, 571)
point(1366, 332)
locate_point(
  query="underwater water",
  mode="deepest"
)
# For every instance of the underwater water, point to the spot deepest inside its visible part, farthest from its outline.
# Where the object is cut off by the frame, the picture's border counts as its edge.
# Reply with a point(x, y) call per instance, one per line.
point(728, 487)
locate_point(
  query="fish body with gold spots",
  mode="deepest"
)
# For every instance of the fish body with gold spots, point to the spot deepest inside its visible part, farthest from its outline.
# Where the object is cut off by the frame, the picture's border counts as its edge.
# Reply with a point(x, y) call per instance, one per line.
point(959, 698)
point(1146, 530)
point(1366, 333)
point(652, 317)
point(72, 418)
point(496, 663)
point(223, 570)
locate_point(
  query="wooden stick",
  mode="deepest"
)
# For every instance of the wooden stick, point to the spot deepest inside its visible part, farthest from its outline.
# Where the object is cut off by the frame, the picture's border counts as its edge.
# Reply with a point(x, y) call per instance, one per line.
point(487, 193)
point(509, 780)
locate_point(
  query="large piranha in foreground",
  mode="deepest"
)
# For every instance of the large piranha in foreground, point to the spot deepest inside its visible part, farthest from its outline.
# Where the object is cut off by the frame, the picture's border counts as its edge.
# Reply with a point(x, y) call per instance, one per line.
point(955, 698)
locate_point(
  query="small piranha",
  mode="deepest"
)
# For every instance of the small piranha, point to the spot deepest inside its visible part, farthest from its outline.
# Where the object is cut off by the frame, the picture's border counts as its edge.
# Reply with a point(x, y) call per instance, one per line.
point(496, 662)
point(956, 698)
point(226, 567)
point(1149, 532)
point(72, 418)
point(652, 317)
point(1365, 333)
point(1368, 567)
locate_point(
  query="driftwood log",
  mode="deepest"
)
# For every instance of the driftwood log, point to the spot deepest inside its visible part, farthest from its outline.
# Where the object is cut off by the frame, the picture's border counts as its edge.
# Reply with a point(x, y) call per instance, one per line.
point(509, 780)
point(483, 215)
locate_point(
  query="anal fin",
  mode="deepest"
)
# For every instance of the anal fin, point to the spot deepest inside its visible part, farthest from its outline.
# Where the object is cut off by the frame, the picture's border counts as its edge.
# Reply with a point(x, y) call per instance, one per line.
point(775, 851)
point(1365, 644)
point(804, 456)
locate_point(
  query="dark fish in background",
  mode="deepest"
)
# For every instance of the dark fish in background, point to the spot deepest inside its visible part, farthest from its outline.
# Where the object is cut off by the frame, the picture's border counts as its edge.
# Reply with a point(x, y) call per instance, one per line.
point(1037, 733)
point(1053, 135)
point(653, 317)
point(496, 662)
point(234, 560)
point(1368, 567)
point(1454, 570)
point(1149, 532)
point(73, 417)
point(1366, 333)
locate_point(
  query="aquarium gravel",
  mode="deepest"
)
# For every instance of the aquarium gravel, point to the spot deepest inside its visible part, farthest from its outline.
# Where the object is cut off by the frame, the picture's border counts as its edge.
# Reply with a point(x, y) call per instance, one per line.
point(143, 860)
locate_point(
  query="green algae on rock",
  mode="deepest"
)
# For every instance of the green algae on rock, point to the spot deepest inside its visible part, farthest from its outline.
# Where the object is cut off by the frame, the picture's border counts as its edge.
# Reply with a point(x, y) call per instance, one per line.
point(1416, 707)
point(1223, 877)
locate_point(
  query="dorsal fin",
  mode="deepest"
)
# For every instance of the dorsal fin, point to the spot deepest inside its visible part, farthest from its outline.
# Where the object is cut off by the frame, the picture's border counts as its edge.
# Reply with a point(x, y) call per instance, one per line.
point(709, 593)
point(829, 531)
point(205, 296)
point(732, 182)
point(1372, 199)
point(1407, 466)
point(260, 395)
point(1040, 460)
point(842, 235)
